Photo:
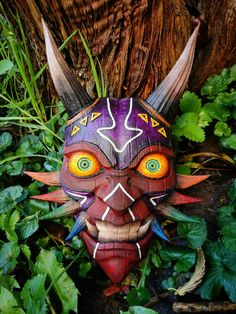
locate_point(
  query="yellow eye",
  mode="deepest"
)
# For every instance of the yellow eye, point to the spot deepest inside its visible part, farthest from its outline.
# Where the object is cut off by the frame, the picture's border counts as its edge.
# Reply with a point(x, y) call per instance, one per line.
point(154, 166)
point(83, 164)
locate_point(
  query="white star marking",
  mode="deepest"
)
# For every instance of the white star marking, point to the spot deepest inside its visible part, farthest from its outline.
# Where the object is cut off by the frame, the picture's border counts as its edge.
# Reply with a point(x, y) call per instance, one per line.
point(99, 131)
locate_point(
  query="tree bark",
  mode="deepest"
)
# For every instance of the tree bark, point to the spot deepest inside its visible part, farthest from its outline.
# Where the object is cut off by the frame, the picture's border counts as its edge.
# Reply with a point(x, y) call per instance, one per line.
point(137, 42)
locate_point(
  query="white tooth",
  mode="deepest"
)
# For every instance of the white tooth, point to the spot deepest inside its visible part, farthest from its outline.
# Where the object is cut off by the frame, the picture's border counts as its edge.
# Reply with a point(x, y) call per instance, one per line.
point(109, 232)
point(92, 229)
point(143, 229)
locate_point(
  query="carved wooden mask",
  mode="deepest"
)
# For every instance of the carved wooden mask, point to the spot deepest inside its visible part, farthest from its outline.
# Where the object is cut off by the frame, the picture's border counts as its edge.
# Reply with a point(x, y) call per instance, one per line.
point(117, 163)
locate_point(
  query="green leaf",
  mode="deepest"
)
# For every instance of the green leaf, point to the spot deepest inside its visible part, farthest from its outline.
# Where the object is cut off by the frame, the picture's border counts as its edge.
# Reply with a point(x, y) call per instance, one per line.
point(8, 303)
point(225, 215)
point(193, 132)
point(217, 111)
point(139, 310)
point(27, 227)
point(30, 144)
point(216, 84)
point(186, 125)
point(8, 282)
point(8, 198)
point(184, 257)
point(8, 222)
point(15, 168)
point(229, 142)
point(138, 296)
point(204, 119)
point(228, 235)
point(5, 66)
point(5, 140)
point(61, 282)
point(26, 251)
point(156, 260)
point(190, 103)
point(182, 169)
point(222, 128)
point(233, 73)
point(8, 256)
point(186, 118)
point(226, 99)
point(221, 272)
point(194, 232)
point(168, 283)
point(33, 295)
point(84, 268)
point(36, 206)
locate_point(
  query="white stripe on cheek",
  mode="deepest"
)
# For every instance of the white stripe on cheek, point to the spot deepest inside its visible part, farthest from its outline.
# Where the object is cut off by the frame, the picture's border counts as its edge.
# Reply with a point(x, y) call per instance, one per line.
point(131, 214)
point(95, 250)
point(139, 250)
point(105, 213)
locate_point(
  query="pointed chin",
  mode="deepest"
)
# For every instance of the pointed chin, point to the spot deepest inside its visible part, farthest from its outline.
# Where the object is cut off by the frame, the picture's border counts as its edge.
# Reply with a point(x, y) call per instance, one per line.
point(117, 258)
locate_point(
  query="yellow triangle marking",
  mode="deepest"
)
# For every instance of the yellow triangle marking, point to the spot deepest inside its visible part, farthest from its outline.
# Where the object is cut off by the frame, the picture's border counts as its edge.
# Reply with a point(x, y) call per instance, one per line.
point(84, 121)
point(75, 130)
point(143, 116)
point(162, 131)
point(95, 115)
point(154, 123)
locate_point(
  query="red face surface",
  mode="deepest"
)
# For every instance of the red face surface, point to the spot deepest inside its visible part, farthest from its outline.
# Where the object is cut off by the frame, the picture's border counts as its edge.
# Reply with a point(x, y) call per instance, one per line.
point(118, 184)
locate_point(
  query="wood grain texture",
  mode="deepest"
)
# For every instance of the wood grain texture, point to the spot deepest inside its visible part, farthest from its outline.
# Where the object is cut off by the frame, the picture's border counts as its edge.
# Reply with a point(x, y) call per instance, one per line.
point(137, 42)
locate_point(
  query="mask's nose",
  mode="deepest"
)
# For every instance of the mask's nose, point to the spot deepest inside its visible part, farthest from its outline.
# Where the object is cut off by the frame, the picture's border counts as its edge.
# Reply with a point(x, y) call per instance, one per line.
point(117, 191)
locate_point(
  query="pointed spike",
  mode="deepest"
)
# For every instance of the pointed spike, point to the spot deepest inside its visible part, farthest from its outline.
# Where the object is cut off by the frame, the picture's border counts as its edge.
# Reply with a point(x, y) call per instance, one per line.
point(48, 178)
point(73, 95)
point(178, 199)
point(79, 225)
point(57, 196)
point(170, 212)
point(166, 97)
point(157, 229)
point(68, 208)
point(186, 181)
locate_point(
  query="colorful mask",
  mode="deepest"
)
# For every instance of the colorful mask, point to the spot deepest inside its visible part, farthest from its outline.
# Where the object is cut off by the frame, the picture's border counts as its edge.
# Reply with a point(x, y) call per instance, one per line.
point(118, 164)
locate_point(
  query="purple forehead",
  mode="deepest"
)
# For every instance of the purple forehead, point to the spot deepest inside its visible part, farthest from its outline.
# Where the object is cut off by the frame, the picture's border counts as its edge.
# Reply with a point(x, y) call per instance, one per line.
point(120, 128)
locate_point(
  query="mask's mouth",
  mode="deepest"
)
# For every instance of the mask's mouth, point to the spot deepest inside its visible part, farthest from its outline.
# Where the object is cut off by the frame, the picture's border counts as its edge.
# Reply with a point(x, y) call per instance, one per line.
point(104, 231)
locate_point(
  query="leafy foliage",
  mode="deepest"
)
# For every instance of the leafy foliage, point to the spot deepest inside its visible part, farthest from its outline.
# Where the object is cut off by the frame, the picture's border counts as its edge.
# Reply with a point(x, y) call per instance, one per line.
point(218, 103)
point(138, 296)
point(221, 254)
point(139, 310)
point(61, 282)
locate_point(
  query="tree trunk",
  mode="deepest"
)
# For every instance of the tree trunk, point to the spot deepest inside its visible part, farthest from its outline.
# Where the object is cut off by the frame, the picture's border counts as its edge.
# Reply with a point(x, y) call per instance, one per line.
point(137, 42)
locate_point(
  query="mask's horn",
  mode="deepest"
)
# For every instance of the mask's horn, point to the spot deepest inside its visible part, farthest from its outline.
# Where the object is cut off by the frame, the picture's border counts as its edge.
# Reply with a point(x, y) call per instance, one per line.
point(73, 95)
point(165, 98)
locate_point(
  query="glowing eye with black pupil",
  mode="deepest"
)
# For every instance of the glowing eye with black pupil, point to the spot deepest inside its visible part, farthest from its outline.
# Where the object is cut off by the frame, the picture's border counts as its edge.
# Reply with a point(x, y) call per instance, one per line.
point(154, 166)
point(83, 164)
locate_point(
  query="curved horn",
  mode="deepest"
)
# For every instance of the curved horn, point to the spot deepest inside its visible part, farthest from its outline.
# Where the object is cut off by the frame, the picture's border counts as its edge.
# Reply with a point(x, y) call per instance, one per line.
point(165, 98)
point(73, 95)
